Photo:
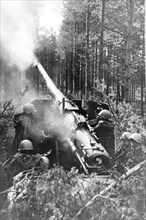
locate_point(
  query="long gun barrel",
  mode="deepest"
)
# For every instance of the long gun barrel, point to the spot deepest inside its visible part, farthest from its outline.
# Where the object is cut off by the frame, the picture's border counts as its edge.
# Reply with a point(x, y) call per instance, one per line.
point(54, 91)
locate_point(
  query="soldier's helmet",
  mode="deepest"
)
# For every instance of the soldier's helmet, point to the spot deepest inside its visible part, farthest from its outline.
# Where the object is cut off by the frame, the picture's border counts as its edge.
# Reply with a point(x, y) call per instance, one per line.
point(125, 135)
point(45, 162)
point(136, 137)
point(29, 108)
point(105, 114)
point(25, 145)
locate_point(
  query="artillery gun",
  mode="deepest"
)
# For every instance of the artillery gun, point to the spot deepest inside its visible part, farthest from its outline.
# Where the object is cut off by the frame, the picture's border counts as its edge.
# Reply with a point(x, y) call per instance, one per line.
point(76, 142)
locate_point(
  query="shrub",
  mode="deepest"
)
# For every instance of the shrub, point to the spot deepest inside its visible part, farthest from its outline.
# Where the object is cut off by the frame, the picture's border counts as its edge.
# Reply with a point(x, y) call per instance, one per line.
point(6, 128)
point(57, 194)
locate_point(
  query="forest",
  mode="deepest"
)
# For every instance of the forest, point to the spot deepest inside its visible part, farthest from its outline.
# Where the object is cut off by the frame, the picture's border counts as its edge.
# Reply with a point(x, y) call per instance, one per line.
point(98, 55)
point(100, 50)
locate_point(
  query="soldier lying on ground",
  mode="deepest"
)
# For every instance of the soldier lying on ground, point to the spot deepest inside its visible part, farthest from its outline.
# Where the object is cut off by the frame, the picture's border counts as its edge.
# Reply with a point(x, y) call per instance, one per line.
point(24, 159)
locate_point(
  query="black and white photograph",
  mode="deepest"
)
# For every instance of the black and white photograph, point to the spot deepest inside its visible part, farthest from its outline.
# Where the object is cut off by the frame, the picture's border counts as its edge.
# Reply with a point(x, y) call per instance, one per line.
point(72, 110)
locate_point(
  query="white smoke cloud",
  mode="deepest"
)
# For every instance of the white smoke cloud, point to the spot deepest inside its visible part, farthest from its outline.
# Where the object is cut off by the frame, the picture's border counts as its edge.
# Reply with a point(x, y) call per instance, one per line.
point(18, 32)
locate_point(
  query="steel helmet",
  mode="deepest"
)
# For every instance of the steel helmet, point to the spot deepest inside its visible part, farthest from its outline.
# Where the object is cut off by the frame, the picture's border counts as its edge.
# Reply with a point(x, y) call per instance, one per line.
point(25, 145)
point(136, 137)
point(105, 114)
point(125, 135)
point(29, 108)
point(45, 161)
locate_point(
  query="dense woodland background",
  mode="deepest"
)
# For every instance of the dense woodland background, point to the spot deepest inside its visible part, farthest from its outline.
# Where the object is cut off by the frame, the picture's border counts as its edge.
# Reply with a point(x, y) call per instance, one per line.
point(100, 51)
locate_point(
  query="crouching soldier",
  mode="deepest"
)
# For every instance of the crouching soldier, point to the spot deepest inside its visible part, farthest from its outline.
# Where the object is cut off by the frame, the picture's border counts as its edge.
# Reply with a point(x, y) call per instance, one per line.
point(137, 153)
point(122, 152)
point(25, 159)
point(133, 153)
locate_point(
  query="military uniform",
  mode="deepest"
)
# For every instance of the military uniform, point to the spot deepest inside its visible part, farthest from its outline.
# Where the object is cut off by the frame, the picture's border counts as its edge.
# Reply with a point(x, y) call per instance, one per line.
point(128, 156)
point(122, 151)
point(28, 127)
point(133, 157)
point(122, 156)
point(105, 132)
point(20, 162)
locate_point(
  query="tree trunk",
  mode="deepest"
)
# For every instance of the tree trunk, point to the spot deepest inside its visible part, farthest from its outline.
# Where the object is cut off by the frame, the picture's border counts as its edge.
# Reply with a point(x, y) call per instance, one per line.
point(130, 8)
point(96, 57)
point(143, 81)
point(66, 73)
point(142, 85)
point(81, 71)
point(92, 79)
point(109, 71)
point(87, 50)
point(75, 55)
point(101, 41)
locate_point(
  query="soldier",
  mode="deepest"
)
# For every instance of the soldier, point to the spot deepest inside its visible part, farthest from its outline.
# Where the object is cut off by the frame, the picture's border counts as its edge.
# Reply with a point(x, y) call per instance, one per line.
point(133, 155)
point(104, 129)
point(28, 126)
point(124, 146)
point(24, 159)
point(137, 154)
point(121, 152)
point(102, 117)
